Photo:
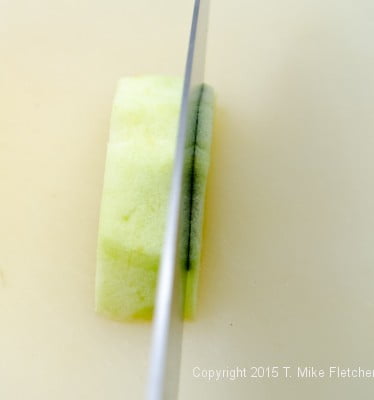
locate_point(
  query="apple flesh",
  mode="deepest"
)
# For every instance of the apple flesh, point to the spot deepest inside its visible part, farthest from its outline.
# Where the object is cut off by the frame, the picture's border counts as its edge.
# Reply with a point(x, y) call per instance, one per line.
point(200, 171)
point(139, 164)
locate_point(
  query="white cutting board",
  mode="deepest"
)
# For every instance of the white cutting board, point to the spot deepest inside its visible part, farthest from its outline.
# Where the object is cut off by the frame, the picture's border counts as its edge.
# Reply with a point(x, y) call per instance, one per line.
point(288, 263)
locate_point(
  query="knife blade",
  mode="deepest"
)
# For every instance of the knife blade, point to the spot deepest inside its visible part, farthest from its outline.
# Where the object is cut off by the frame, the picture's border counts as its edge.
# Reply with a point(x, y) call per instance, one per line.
point(166, 344)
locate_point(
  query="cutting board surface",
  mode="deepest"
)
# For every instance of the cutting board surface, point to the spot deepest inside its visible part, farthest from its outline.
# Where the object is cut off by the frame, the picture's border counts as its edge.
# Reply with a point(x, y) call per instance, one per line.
point(288, 260)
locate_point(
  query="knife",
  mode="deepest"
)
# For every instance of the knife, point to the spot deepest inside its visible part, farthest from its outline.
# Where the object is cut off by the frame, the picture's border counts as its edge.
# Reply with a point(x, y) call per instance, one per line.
point(166, 344)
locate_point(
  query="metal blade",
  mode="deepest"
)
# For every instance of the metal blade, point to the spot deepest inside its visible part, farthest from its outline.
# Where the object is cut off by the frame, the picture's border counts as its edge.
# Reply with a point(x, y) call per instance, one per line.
point(168, 316)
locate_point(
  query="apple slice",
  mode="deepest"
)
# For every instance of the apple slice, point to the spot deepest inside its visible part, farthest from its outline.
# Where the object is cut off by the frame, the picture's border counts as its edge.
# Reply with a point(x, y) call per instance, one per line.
point(139, 163)
point(200, 174)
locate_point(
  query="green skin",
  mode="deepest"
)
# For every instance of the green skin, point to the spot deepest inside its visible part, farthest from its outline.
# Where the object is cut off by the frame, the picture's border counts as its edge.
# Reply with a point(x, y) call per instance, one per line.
point(138, 170)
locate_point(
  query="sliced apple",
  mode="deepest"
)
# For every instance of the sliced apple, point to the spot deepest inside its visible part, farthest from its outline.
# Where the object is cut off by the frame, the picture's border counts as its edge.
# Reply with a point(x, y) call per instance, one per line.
point(139, 163)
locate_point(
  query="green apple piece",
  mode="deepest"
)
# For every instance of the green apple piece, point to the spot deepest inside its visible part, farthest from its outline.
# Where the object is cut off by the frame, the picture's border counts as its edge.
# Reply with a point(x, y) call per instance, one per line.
point(139, 161)
point(139, 164)
point(200, 170)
